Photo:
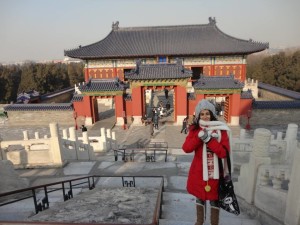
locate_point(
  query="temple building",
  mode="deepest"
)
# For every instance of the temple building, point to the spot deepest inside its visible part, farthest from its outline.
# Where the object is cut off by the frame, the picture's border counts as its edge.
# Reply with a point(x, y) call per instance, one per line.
point(141, 68)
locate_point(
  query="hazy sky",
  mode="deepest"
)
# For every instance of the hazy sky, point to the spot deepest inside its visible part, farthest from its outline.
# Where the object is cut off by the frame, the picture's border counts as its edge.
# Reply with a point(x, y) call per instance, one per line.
point(43, 29)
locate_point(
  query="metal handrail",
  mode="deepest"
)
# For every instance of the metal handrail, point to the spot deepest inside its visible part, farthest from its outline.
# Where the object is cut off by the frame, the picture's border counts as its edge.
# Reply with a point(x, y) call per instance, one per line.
point(156, 215)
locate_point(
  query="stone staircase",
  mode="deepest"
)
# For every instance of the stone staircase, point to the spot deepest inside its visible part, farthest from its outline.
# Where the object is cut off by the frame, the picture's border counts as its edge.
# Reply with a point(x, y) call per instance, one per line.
point(180, 209)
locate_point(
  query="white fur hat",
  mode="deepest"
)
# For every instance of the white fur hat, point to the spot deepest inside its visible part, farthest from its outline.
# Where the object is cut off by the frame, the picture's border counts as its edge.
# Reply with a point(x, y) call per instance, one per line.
point(205, 104)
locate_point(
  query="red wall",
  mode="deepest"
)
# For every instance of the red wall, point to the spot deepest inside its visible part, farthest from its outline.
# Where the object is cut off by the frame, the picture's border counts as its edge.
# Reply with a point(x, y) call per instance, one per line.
point(137, 99)
point(181, 101)
point(246, 104)
point(119, 105)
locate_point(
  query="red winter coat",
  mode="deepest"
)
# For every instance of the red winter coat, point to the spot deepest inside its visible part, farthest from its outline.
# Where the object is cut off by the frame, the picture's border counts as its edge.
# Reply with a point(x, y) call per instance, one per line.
point(195, 182)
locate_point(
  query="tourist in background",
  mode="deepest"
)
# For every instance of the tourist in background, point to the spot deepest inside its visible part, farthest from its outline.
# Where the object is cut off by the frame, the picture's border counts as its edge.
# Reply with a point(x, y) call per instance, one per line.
point(184, 125)
point(208, 139)
point(83, 128)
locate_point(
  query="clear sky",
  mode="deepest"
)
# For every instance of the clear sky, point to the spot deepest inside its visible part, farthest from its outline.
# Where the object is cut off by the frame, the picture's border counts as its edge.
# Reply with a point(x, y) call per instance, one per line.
point(43, 29)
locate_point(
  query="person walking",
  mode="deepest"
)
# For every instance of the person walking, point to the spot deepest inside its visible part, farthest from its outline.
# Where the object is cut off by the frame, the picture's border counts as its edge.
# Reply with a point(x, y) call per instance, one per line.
point(151, 129)
point(155, 121)
point(166, 93)
point(184, 125)
point(209, 140)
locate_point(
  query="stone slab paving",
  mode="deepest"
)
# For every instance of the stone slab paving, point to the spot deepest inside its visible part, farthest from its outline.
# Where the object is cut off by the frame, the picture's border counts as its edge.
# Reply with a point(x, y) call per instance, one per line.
point(78, 168)
point(179, 208)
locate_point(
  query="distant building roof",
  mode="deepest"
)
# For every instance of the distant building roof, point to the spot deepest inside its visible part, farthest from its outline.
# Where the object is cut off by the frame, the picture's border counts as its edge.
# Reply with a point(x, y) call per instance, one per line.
point(39, 107)
point(28, 96)
point(246, 94)
point(276, 105)
point(278, 90)
point(218, 82)
point(77, 98)
point(95, 85)
point(158, 71)
point(177, 41)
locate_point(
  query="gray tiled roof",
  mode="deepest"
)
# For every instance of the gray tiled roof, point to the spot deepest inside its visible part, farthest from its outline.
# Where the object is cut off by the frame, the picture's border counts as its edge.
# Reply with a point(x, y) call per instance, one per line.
point(25, 97)
point(292, 94)
point(39, 107)
point(181, 40)
point(77, 98)
point(218, 82)
point(158, 71)
point(276, 105)
point(102, 85)
point(246, 95)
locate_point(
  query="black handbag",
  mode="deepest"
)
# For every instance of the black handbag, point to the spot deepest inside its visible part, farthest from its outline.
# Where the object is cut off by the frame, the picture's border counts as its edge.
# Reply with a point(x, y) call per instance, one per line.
point(227, 198)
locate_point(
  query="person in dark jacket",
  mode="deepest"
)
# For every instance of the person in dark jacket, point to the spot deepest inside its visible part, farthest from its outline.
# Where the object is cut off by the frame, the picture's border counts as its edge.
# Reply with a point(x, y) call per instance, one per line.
point(184, 125)
point(166, 93)
point(83, 128)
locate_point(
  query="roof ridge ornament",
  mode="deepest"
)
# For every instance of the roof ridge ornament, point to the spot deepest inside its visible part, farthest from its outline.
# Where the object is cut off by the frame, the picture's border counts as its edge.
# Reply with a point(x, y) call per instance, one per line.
point(115, 26)
point(212, 21)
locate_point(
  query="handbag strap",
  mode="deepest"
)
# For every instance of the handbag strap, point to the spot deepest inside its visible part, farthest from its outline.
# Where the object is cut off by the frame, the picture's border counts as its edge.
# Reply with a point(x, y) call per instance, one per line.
point(228, 164)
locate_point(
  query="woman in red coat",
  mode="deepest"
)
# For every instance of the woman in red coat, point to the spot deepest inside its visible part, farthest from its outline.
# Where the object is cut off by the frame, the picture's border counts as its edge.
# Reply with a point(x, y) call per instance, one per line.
point(208, 139)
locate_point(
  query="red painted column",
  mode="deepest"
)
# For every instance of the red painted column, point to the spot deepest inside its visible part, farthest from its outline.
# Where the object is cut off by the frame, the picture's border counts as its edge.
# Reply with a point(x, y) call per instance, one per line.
point(88, 113)
point(86, 74)
point(119, 105)
point(181, 103)
point(136, 101)
point(120, 110)
point(243, 73)
point(87, 105)
point(235, 108)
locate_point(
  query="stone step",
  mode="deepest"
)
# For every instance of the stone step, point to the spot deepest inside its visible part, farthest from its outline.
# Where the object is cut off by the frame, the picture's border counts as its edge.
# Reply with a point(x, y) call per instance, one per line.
point(179, 208)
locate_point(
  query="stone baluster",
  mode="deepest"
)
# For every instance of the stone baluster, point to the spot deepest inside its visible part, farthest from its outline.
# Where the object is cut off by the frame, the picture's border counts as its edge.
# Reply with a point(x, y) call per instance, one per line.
point(36, 135)
point(264, 177)
point(292, 142)
point(25, 134)
point(277, 182)
point(114, 141)
point(279, 136)
point(72, 132)
point(242, 134)
point(65, 134)
point(108, 135)
point(103, 140)
point(85, 138)
point(261, 142)
point(246, 184)
point(56, 146)
point(272, 137)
